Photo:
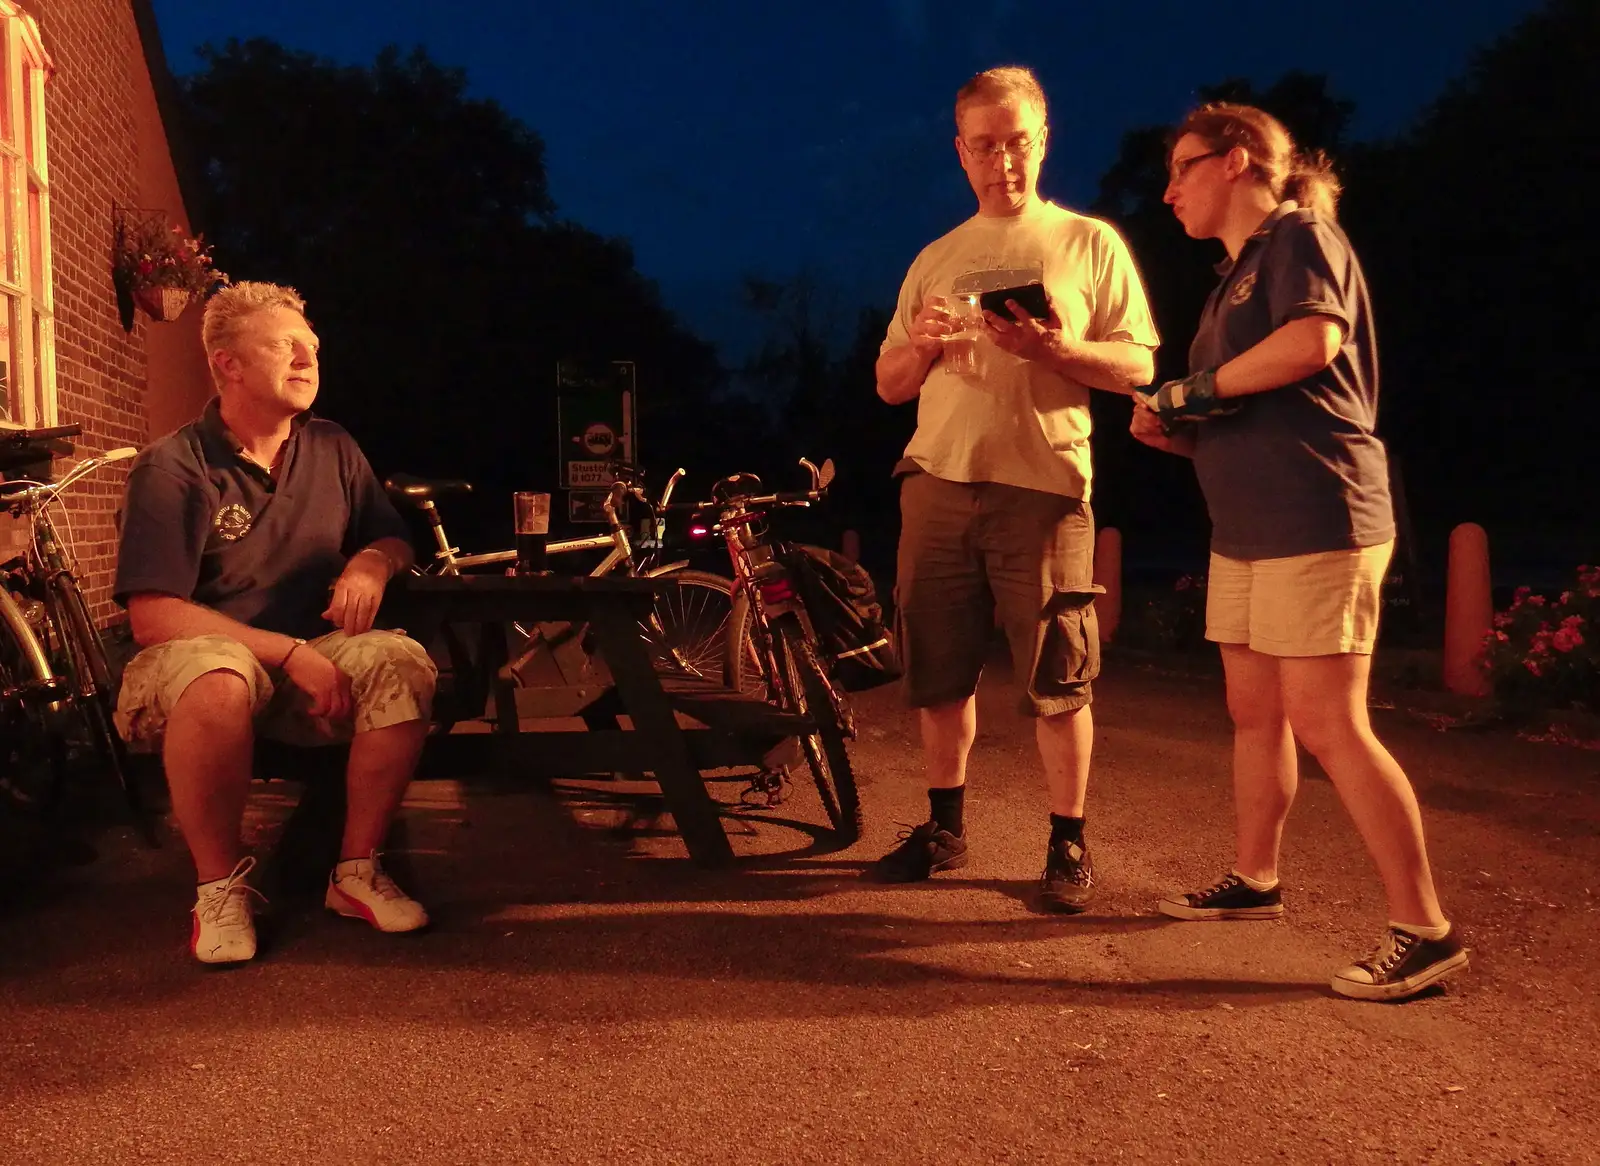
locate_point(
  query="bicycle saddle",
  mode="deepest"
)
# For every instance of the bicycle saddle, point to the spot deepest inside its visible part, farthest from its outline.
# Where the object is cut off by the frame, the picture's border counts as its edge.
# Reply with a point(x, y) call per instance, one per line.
point(413, 489)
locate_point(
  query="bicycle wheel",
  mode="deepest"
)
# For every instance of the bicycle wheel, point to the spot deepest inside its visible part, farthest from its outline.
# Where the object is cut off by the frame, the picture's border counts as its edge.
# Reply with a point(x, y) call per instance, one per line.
point(32, 757)
point(94, 688)
point(805, 688)
point(694, 625)
point(742, 666)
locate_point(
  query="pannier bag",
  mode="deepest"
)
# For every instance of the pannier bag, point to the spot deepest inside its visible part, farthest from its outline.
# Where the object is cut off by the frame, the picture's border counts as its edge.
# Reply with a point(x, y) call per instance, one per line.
point(845, 613)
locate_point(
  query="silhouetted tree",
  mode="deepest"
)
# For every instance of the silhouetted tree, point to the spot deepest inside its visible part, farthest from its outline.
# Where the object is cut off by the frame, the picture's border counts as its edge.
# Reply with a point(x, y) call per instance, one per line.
point(418, 223)
point(1478, 234)
point(826, 405)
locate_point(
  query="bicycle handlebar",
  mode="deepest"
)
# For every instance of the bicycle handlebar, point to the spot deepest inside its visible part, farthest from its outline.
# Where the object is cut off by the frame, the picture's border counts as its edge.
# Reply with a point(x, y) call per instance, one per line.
point(82, 469)
point(25, 436)
point(739, 501)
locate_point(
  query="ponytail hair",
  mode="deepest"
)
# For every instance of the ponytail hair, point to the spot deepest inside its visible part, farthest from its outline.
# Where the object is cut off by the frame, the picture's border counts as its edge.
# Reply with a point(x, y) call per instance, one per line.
point(1307, 177)
point(1312, 183)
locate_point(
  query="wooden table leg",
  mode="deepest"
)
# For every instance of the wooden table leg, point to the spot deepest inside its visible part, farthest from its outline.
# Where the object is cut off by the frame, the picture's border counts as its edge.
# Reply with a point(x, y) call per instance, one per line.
point(616, 631)
point(492, 659)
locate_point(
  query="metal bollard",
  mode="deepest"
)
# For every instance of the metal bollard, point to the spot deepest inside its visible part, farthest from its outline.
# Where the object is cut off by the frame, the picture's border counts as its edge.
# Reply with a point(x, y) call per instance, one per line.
point(1108, 574)
point(1468, 610)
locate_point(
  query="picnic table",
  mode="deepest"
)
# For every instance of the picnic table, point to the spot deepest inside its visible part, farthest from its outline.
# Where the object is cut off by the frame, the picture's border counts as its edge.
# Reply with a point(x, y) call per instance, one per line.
point(730, 730)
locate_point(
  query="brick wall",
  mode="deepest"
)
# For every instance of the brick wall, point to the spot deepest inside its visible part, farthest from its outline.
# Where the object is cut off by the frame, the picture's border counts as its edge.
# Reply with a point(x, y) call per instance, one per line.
point(106, 145)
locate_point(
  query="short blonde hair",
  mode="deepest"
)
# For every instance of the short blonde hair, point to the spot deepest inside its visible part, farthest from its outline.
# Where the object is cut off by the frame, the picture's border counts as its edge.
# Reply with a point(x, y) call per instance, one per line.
point(232, 304)
point(999, 86)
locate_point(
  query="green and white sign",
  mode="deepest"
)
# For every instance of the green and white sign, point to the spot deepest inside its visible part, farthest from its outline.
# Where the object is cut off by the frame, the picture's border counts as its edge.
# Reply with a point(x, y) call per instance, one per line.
point(595, 425)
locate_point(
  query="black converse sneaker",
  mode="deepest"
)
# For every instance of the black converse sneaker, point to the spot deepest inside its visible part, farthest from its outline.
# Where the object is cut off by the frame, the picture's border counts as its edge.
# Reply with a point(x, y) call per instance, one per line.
point(1232, 898)
point(1403, 965)
point(1068, 880)
point(923, 850)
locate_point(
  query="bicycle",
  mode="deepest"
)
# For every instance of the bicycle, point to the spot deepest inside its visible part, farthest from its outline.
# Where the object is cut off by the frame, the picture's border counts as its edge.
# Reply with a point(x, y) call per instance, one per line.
point(770, 638)
point(57, 688)
point(691, 618)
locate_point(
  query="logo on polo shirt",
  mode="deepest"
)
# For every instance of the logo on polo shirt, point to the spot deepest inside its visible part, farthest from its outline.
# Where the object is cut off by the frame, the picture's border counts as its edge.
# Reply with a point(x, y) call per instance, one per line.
point(1241, 290)
point(233, 522)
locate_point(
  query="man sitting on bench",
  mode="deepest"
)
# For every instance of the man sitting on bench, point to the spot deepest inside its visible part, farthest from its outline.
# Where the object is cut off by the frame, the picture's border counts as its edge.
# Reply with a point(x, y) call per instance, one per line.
point(256, 546)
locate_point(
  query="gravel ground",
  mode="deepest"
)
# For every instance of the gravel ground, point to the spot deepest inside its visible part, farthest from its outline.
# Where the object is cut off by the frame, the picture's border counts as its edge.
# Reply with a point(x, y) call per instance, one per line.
point(586, 995)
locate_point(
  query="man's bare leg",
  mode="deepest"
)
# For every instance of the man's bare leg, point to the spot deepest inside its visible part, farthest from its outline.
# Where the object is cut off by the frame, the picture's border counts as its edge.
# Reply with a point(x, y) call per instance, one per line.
point(948, 731)
point(1066, 741)
point(209, 740)
point(382, 762)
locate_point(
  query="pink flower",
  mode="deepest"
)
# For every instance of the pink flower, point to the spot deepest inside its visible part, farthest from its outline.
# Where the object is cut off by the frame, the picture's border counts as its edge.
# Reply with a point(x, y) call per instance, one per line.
point(1502, 619)
point(1567, 639)
point(1572, 622)
point(1535, 601)
point(1533, 665)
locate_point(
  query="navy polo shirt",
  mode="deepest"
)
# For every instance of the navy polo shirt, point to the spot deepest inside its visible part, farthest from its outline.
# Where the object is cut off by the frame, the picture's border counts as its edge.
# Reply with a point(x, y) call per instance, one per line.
point(1299, 469)
point(205, 523)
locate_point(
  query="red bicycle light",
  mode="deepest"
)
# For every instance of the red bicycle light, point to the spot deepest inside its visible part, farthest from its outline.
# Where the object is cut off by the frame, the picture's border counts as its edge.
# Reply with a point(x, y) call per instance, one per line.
point(698, 532)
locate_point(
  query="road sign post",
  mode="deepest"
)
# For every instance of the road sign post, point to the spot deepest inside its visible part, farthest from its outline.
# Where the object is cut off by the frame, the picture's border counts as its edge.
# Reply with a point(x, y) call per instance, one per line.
point(595, 403)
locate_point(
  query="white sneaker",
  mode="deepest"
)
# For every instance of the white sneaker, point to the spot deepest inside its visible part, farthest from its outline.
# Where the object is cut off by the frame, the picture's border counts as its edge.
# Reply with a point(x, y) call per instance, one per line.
point(224, 929)
point(359, 889)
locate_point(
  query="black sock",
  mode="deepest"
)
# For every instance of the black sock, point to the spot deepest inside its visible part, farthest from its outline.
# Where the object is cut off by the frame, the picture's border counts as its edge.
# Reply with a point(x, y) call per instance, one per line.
point(1065, 830)
point(946, 806)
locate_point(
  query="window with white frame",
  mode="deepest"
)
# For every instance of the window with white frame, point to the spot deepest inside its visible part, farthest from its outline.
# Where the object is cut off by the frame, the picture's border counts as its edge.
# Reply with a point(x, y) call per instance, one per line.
point(27, 325)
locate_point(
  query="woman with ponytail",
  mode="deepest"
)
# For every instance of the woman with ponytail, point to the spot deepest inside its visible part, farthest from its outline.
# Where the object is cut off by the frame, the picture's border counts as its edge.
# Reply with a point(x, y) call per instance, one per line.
point(1279, 414)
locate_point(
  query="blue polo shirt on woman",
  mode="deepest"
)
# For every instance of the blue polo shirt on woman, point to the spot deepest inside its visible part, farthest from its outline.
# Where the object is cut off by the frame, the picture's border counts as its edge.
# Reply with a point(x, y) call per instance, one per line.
point(1298, 469)
point(205, 523)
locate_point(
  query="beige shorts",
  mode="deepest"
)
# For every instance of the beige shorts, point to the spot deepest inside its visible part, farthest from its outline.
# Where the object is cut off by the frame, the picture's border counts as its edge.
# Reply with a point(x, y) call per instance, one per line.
point(1324, 604)
point(391, 682)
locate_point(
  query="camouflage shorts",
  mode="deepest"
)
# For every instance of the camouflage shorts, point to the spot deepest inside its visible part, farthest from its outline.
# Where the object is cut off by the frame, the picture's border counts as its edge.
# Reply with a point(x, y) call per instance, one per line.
point(391, 682)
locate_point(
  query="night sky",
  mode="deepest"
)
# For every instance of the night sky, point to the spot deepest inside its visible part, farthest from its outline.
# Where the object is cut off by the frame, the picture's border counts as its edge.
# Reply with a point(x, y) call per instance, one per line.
point(724, 138)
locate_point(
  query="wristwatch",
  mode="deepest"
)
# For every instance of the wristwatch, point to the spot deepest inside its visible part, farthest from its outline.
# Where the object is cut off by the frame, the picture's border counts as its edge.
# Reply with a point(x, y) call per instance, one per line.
point(293, 648)
point(384, 555)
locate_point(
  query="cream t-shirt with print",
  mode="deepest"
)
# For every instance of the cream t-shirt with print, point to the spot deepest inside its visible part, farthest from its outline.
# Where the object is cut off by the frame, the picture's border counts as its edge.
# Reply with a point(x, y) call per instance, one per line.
point(1016, 421)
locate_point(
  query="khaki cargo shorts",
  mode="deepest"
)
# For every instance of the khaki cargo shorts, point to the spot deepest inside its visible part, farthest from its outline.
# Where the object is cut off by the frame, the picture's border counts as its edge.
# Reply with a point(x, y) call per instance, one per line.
point(974, 553)
point(1324, 604)
point(391, 682)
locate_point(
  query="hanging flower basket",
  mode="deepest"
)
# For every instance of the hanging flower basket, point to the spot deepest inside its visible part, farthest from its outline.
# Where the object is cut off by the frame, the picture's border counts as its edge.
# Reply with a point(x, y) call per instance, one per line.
point(163, 303)
point(157, 267)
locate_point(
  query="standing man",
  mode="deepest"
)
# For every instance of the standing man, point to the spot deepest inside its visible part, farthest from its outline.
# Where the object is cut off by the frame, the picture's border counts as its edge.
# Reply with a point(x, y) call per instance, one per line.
point(994, 496)
point(256, 546)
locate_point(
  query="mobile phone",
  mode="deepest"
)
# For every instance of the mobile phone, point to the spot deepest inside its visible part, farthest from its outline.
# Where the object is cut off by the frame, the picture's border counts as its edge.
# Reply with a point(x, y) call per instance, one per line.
point(1030, 296)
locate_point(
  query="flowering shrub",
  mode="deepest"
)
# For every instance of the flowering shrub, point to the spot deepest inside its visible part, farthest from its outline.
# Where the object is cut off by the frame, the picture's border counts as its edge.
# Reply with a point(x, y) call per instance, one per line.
point(1544, 653)
point(150, 255)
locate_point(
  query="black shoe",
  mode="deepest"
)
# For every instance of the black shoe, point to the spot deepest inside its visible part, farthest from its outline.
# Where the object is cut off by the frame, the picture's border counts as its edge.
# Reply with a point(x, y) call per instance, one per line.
point(922, 851)
point(1403, 965)
point(1232, 898)
point(1068, 880)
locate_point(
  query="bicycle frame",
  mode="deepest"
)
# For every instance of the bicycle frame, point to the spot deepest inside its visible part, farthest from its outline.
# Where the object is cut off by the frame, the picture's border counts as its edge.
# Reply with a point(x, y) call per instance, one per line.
point(78, 683)
point(449, 561)
point(45, 561)
point(757, 570)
